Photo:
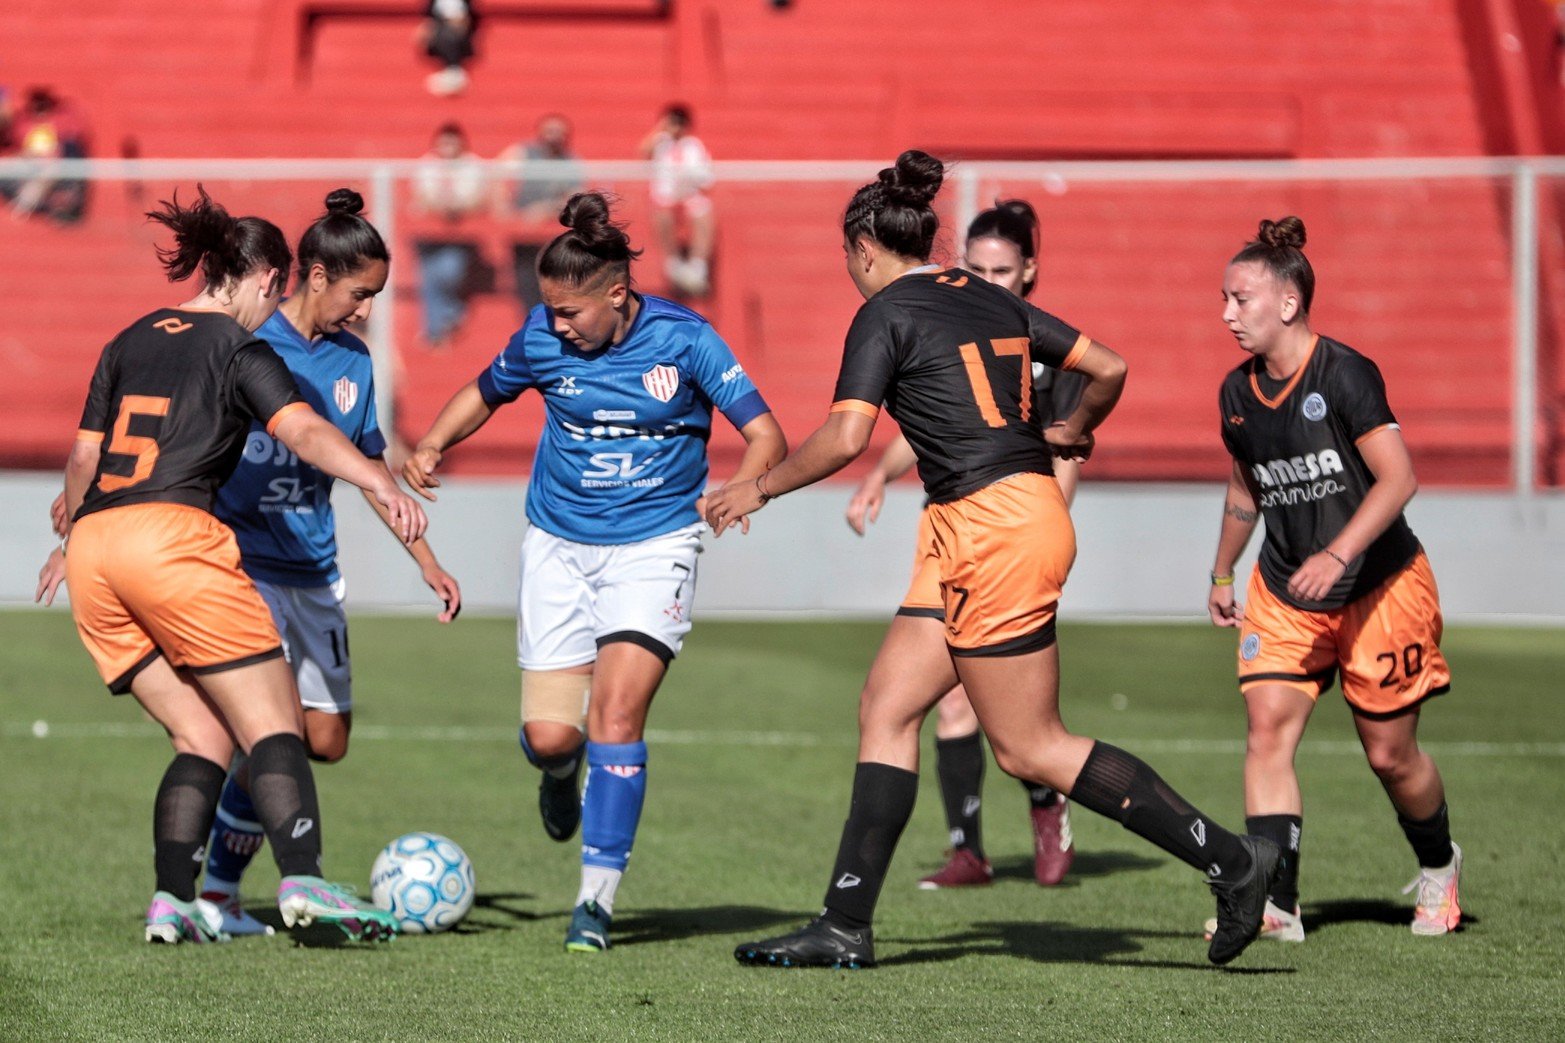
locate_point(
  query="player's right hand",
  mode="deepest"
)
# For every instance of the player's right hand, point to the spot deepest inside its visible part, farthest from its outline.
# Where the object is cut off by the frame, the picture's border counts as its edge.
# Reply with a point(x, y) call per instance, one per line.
point(1223, 608)
point(50, 577)
point(866, 503)
point(418, 470)
point(404, 515)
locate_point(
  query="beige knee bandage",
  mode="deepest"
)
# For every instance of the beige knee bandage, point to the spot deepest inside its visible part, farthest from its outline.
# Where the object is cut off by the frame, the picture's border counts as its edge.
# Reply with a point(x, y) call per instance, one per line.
point(553, 695)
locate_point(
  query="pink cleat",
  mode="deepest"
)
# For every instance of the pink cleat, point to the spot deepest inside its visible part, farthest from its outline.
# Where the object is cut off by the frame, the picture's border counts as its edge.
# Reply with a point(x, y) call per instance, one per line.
point(965, 869)
point(1053, 849)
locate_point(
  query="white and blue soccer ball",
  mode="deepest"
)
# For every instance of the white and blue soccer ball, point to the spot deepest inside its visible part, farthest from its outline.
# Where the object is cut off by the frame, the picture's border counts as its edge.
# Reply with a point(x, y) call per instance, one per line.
point(425, 880)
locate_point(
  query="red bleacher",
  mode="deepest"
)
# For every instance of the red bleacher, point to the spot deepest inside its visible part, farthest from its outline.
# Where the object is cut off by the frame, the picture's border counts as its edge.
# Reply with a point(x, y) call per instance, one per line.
point(1415, 274)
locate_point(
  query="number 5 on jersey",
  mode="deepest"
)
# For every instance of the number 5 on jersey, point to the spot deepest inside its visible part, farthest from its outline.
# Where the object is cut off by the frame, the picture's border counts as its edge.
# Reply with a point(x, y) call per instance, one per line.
point(142, 447)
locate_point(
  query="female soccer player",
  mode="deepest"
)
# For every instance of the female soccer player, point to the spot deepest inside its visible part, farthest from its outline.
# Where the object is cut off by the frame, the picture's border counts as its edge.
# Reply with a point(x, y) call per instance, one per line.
point(1002, 247)
point(609, 560)
point(999, 538)
point(1342, 583)
point(280, 510)
point(157, 592)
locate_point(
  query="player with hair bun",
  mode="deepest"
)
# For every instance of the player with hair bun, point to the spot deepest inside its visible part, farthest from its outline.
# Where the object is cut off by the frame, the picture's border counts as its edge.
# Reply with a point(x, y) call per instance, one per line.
point(1002, 247)
point(1342, 583)
point(608, 570)
point(951, 356)
point(157, 591)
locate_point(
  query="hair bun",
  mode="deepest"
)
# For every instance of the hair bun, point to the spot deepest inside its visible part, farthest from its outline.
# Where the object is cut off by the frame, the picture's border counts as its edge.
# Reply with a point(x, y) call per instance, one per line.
point(344, 201)
point(1287, 232)
point(915, 180)
point(586, 213)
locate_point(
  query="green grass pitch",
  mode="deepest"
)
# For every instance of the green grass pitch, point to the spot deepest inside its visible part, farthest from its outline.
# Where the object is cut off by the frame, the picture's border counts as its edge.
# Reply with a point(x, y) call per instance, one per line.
point(752, 754)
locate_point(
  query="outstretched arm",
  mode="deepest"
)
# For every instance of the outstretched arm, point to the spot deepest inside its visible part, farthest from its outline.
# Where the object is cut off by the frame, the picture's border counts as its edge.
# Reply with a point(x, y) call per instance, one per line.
point(438, 579)
point(320, 444)
point(465, 413)
point(835, 444)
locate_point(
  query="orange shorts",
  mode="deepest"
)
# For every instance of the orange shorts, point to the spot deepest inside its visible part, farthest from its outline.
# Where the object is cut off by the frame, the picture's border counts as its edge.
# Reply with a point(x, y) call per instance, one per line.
point(1387, 643)
point(992, 565)
point(164, 579)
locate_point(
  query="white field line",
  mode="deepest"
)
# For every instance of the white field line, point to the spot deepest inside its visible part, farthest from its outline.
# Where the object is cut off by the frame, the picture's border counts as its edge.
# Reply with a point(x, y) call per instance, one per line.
point(460, 734)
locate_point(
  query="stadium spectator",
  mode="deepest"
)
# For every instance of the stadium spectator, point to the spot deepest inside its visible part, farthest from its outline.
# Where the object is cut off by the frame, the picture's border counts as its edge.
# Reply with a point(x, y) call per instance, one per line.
point(1342, 584)
point(6, 115)
point(47, 129)
point(447, 33)
point(536, 196)
point(448, 190)
point(681, 176)
point(998, 539)
point(609, 558)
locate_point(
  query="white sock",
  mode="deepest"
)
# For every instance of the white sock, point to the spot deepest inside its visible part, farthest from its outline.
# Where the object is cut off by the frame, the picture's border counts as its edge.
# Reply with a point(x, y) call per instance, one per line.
point(598, 885)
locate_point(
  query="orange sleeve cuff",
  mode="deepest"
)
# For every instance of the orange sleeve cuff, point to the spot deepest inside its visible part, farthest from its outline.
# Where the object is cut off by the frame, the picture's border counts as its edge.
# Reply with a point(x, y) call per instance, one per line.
point(271, 425)
point(1372, 432)
point(84, 435)
point(855, 405)
point(1083, 342)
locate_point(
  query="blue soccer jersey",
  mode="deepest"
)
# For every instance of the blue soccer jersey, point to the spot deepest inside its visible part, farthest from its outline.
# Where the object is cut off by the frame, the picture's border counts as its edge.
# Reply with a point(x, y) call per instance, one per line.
point(622, 457)
point(279, 506)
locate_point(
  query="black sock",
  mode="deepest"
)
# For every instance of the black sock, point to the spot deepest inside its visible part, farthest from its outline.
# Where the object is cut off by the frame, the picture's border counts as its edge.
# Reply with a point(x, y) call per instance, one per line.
point(1431, 838)
point(282, 787)
point(181, 821)
point(882, 803)
point(1039, 795)
point(1125, 788)
point(959, 763)
point(1284, 831)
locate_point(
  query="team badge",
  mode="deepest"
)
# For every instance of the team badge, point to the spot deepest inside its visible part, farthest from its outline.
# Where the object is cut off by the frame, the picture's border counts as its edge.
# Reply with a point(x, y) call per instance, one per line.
point(1314, 406)
point(1250, 648)
point(346, 393)
point(661, 382)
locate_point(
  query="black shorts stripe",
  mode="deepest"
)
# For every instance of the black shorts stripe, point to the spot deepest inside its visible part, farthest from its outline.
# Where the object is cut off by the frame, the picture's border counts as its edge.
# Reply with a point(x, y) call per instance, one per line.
point(235, 664)
point(1389, 714)
point(1036, 641)
point(922, 612)
point(121, 684)
point(636, 637)
point(1325, 677)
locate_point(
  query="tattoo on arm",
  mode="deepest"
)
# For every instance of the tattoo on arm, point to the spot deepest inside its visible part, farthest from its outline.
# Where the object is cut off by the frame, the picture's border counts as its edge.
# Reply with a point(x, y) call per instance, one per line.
point(1239, 513)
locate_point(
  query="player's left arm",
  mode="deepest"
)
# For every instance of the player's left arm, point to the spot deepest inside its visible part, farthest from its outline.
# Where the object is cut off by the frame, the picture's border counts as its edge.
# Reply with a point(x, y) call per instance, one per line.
point(834, 445)
point(438, 579)
point(1385, 454)
point(1105, 371)
point(80, 466)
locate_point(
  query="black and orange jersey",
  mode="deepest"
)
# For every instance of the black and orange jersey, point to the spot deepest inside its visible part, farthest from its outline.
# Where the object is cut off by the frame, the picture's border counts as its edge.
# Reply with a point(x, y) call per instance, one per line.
point(951, 356)
point(172, 400)
point(1299, 440)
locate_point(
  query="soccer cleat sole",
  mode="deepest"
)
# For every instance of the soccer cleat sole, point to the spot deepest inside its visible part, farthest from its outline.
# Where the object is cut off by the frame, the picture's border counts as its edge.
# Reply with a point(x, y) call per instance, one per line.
point(756, 958)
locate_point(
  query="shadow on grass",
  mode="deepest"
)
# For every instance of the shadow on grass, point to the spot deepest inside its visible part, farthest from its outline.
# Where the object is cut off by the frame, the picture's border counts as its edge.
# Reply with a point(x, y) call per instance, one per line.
point(1321, 915)
point(1087, 864)
point(504, 913)
point(1059, 943)
point(666, 925)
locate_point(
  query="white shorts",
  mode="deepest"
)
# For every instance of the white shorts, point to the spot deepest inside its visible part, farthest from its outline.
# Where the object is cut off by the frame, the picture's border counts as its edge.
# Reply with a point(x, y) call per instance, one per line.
point(315, 639)
point(574, 595)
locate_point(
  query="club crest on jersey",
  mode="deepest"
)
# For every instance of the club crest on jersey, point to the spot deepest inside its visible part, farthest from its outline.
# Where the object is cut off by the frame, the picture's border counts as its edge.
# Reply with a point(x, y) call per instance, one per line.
point(661, 382)
point(1250, 648)
point(1314, 406)
point(345, 393)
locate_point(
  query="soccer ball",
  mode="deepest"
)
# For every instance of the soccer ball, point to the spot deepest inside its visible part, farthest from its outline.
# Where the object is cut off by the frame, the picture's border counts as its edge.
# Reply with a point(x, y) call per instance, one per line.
point(425, 881)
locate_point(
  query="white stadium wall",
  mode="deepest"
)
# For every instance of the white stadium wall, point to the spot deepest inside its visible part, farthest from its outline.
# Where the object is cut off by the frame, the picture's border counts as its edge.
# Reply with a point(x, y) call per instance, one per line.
point(1143, 551)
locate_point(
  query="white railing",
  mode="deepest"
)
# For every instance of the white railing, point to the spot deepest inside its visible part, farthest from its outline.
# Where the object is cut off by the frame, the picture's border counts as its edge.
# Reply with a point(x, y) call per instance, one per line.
point(382, 176)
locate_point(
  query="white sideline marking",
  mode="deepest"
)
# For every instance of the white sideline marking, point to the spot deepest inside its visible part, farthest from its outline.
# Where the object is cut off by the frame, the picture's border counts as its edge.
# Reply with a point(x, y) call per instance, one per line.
point(460, 734)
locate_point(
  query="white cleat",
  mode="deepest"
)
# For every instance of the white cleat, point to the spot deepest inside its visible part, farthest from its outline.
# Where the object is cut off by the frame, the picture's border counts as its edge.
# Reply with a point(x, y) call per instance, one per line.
point(1438, 911)
point(236, 921)
point(1276, 925)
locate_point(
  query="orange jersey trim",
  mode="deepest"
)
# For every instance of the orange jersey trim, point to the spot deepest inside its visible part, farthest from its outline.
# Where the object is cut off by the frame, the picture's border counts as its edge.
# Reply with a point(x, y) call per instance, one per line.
point(271, 425)
point(1078, 351)
point(855, 405)
point(1293, 381)
point(84, 435)
point(1372, 432)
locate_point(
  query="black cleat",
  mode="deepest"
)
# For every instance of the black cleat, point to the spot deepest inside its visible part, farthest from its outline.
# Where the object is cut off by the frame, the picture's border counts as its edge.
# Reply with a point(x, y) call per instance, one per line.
point(1241, 904)
point(559, 803)
point(816, 944)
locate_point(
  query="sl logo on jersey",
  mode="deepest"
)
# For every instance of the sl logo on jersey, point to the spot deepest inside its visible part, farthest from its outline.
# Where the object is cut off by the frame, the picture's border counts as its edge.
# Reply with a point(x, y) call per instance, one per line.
point(1314, 406)
point(661, 381)
point(345, 393)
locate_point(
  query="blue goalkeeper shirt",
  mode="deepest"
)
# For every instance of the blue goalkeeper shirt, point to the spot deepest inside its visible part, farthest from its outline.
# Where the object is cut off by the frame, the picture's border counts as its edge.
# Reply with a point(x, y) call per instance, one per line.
point(622, 456)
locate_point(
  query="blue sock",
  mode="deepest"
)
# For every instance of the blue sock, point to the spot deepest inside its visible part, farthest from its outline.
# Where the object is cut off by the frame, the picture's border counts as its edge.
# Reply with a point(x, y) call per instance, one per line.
point(236, 837)
point(611, 802)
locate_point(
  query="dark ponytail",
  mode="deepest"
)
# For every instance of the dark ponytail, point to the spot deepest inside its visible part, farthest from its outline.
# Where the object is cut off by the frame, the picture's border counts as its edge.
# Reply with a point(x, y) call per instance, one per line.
point(225, 248)
point(1279, 246)
point(894, 209)
point(593, 247)
point(341, 241)
point(1015, 221)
